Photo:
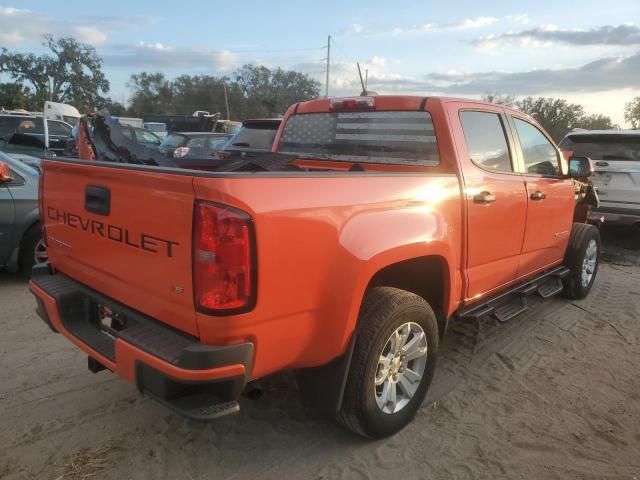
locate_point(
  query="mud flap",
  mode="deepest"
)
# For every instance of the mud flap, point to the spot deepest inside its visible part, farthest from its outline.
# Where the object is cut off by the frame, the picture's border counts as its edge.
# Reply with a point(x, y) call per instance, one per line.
point(322, 388)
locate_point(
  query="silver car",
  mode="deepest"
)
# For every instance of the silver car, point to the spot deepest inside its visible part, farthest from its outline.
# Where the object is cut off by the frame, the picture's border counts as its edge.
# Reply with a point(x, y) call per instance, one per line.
point(21, 244)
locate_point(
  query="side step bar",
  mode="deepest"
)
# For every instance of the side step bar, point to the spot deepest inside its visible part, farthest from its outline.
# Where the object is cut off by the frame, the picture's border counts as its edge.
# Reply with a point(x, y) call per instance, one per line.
point(512, 302)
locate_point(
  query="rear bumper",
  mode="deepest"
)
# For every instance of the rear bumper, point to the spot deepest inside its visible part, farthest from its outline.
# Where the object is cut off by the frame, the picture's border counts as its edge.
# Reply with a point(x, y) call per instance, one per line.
point(614, 216)
point(199, 381)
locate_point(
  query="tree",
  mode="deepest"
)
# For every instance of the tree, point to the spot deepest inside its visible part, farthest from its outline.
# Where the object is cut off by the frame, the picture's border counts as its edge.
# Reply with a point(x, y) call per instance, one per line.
point(72, 73)
point(596, 122)
point(556, 115)
point(271, 92)
point(632, 113)
point(15, 95)
point(500, 99)
point(114, 108)
point(151, 93)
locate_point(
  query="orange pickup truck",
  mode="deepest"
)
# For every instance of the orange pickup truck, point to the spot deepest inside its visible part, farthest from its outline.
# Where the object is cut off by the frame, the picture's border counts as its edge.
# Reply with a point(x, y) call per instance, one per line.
point(341, 255)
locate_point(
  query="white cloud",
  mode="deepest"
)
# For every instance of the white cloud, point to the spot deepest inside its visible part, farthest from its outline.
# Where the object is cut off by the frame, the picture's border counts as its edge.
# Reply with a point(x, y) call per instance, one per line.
point(93, 35)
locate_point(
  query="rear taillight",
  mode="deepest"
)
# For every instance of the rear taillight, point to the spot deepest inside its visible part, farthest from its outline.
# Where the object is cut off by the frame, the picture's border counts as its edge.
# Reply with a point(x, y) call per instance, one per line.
point(224, 270)
point(356, 103)
point(180, 152)
point(41, 203)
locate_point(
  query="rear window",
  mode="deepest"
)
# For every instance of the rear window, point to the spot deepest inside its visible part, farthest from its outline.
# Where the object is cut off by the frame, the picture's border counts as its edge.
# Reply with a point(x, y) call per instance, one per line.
point(259, 136)
point(174, 141)
point(603, 147)
point(370, 137)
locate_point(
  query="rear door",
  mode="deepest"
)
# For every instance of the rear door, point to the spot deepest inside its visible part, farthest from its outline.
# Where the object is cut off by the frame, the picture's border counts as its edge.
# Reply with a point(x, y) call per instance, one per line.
point(495, 195)
point(550, 198)
point(124, 232)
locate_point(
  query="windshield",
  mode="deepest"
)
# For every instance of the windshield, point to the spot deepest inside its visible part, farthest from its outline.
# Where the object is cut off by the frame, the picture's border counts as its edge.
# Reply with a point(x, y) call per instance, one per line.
point(173, 141)
point(258, 136)
point(603, 147)
point(402, 137)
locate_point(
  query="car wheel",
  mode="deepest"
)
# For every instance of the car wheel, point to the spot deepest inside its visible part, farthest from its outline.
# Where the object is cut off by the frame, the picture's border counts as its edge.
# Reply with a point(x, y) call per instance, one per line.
point(582, 259)
point(33, 251)
point(392, 364)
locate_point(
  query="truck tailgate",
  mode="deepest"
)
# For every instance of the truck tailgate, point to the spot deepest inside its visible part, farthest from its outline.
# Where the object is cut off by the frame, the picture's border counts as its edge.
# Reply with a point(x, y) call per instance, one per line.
point(125, 233)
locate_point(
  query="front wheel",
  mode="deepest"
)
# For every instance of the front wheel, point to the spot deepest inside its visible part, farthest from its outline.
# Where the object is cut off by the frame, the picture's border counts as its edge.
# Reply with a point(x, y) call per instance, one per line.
point(392, 364)
point(582, 259)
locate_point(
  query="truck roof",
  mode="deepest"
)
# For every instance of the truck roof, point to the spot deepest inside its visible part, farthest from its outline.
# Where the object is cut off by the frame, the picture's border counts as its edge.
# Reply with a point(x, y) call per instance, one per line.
point(395, 102)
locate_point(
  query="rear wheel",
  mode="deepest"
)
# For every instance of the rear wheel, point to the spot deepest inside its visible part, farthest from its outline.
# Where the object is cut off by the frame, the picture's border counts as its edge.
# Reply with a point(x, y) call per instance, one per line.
point(33, 251)
point(582, 258)
point(393, 362)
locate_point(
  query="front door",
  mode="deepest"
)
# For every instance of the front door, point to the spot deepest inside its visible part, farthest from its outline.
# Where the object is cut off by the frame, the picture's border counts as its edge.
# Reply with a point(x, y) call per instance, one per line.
point(550, 197)
point(495, 196)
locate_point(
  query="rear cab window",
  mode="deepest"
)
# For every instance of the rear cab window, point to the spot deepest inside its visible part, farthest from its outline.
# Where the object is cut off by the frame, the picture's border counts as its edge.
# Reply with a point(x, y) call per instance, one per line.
point(393, 137)
point(486, 140)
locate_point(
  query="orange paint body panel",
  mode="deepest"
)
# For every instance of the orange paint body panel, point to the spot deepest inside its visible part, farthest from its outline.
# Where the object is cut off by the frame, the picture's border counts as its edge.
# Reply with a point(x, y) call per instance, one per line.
point(320, 238)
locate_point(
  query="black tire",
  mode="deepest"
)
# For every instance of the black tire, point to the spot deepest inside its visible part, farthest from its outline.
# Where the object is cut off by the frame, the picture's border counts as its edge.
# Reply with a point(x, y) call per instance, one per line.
point(582, 235)
point(384, 309)
point(27, 259)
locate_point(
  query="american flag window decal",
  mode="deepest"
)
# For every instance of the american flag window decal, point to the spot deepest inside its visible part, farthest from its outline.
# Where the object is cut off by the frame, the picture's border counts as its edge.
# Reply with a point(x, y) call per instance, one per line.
point(399, 137)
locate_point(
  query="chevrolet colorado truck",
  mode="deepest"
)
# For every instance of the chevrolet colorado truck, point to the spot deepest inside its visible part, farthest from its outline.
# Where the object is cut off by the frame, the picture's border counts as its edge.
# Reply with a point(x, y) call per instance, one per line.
point(341, 255)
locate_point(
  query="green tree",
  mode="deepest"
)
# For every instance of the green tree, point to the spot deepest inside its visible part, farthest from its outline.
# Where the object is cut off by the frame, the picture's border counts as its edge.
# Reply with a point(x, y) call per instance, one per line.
point(596, 122)
point(632, 113)
point(500, 99)
point(71, 73)
point(271, 92)
point(115, 108)
point(151, 93)
point(15, 95)
point(556, 115)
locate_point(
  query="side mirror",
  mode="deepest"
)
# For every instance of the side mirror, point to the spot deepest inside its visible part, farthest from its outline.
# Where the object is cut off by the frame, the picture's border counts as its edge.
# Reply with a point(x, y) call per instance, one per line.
point(580, 167)
point(5, 173)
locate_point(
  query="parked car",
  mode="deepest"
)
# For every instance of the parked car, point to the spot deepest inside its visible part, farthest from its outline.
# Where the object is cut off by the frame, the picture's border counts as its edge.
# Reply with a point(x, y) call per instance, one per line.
point(141, 136)
point(21, 134)
point(256, 136)
point(21, 244)
point(158, 128)
point(344, 257)
point(615, 155)
point(193, 149)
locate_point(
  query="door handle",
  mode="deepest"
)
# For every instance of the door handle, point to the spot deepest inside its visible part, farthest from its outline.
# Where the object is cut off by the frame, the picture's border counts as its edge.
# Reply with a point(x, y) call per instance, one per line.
point(484, 197)
point(538, 196)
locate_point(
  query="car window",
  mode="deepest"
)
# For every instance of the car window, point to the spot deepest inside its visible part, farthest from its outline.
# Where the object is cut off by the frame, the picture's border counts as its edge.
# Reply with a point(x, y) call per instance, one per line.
point(58, 128)
point(216, 143)
point(486, 140)
point(603, 146)
point(390, 137)
point(127, 133)
point(197, 142)
point(147, 138)
point(540, 156)
point(8, 126)
point(174, 141)
point(28, 126)
point(261, 136)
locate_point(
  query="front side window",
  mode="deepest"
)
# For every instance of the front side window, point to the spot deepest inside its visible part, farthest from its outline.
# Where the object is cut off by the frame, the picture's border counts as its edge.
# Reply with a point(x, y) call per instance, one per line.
point(540, 156)
point(486, 140)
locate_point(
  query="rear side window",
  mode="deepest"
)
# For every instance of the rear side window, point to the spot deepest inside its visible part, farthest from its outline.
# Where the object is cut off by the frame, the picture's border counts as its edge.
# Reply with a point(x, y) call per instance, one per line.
point(603, 147)
point(540, 156)
point(486, 140)
point(370, 137)
point(8, 126)
point(196, 142)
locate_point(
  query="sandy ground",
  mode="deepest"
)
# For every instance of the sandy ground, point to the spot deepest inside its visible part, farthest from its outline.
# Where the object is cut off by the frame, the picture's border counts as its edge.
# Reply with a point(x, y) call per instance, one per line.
point(552, 394)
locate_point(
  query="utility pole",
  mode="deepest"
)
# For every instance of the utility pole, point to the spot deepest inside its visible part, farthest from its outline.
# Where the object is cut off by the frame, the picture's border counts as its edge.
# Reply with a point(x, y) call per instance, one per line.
point(328, 65)
point(226, 100)
point(366, 80)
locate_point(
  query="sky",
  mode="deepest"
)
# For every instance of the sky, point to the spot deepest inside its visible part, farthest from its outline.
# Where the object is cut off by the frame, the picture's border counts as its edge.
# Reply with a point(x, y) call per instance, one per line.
point(585, 51)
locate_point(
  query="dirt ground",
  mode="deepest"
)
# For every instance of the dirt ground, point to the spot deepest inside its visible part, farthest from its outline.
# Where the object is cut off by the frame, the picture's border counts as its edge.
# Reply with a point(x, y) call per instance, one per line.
point(553, 394)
